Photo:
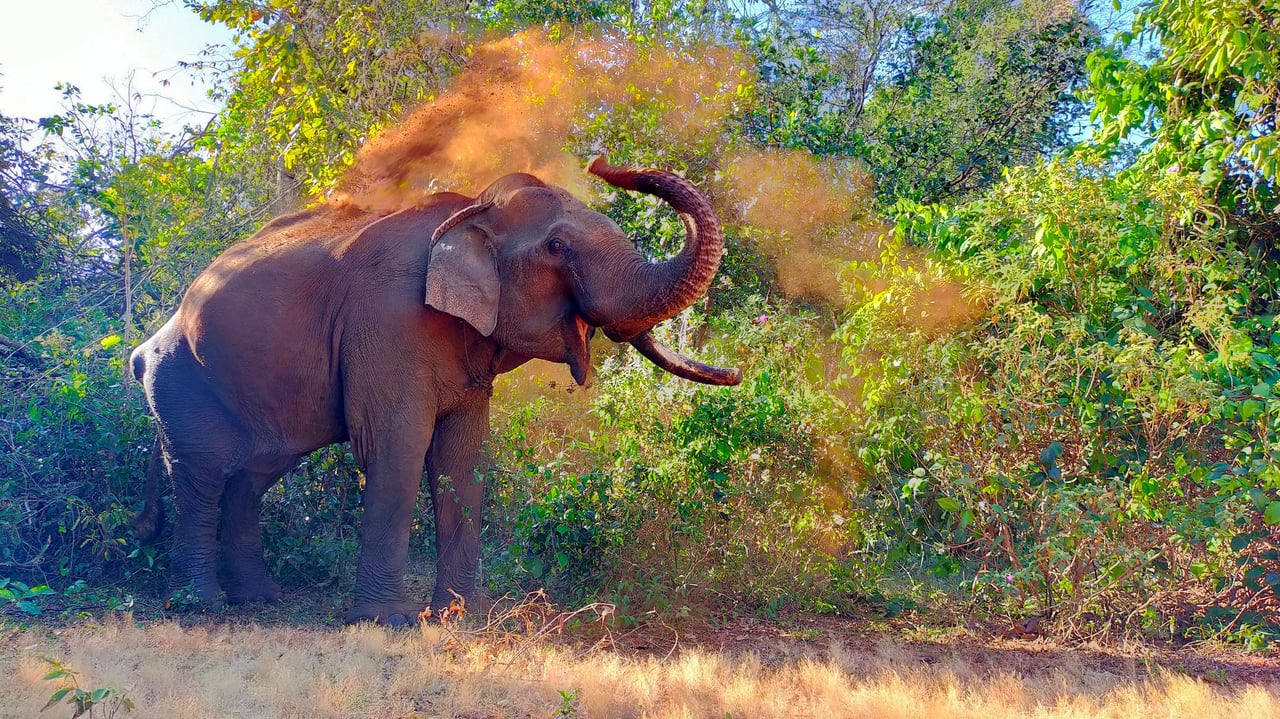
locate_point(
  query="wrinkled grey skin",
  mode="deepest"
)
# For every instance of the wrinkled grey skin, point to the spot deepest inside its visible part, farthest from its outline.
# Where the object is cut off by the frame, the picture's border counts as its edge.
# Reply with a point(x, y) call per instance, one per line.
point(315, 331)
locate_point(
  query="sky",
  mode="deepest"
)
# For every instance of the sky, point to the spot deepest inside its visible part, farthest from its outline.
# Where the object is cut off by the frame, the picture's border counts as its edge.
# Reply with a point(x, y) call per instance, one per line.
point(94, 45)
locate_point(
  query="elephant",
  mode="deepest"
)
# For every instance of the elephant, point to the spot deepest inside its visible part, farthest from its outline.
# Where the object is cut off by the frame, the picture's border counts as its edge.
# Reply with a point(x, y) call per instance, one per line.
point(387, 330)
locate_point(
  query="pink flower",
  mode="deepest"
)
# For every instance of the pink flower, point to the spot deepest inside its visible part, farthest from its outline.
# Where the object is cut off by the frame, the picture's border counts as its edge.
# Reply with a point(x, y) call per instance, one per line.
point(762, 319)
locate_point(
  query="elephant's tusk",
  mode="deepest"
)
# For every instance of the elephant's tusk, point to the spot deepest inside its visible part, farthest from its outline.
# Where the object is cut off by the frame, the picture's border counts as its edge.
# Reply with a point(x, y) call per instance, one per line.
point(681, 366)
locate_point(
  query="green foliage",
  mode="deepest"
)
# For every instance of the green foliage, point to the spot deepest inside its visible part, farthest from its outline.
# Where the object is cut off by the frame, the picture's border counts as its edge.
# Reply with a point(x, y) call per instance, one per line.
point(985, 85)
point(129, 220)
point(103, 702)
point(517, 14)
point(311, 518)
point(374, 61)
point(1206, 106)
point(568, 708)
point(23, 598)
point(22, 246)
point(677, 496)
point(937, 98)
point(1097, 438)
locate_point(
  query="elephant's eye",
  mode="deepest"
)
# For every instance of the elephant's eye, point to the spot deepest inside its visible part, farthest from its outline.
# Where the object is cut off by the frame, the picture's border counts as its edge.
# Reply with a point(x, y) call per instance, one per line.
point(556, 246)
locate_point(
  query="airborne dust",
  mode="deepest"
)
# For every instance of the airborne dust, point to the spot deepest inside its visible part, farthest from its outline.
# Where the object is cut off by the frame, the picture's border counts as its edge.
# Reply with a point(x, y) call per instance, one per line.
point(529, 104)
point(523, 99)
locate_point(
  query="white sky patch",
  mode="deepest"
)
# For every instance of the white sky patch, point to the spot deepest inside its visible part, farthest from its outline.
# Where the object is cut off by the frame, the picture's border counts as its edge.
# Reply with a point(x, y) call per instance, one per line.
point(95, 45)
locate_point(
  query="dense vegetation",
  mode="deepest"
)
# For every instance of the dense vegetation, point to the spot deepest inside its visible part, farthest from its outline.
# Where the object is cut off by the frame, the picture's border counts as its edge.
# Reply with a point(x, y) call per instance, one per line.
point(1007, 316)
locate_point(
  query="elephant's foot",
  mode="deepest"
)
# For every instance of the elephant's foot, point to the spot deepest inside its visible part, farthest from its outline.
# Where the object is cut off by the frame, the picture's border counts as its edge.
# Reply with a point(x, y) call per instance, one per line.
point(242, 590)
point(392, 614)
point(197, 595)
point(449, 606)
point(244, 577)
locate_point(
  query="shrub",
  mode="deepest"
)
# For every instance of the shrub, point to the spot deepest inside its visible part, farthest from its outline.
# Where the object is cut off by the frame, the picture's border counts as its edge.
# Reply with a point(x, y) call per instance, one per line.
point(1106, 429)
point(679, 495)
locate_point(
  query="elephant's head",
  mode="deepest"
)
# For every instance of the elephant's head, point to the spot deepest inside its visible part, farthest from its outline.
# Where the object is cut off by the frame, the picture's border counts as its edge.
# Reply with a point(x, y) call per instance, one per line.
point(535, 269)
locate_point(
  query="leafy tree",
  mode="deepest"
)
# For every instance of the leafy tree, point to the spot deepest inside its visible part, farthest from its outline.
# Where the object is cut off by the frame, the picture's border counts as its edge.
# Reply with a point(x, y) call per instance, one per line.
point(982, 86)
point(938, 98)
point(22, 248)
point(1206, 105)
point(312, 80)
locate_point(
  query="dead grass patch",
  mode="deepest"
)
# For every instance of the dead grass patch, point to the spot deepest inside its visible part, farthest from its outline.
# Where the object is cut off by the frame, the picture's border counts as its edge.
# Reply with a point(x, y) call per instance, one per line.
point(245, 670)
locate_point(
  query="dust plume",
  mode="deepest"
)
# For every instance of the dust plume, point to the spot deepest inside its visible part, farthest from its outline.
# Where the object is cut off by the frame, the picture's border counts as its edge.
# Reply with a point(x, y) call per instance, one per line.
point(527, 103)
point(814, 217)
point(815, 213)
point(523, 99)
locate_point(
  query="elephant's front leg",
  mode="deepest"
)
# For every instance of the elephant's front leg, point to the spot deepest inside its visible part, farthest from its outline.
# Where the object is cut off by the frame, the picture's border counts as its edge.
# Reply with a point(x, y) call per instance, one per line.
point(393, 473)
point(457, 491)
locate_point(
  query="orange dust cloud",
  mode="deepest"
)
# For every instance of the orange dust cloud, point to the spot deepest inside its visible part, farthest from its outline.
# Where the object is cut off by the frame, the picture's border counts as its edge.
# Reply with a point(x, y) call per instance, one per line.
point(524, 99)
point(519, 103)
point(815, 213)
point(813, 216)
point(941, 307)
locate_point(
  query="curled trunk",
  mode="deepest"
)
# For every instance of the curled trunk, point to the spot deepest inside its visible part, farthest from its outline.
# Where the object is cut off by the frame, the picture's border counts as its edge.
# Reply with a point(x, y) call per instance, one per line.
point(652, 292)
point(661, 290)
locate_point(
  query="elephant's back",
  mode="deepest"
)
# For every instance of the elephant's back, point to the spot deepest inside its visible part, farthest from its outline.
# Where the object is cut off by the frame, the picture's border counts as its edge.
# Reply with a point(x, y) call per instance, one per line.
point(260, 323)
point(399, 241)
point(283, 256)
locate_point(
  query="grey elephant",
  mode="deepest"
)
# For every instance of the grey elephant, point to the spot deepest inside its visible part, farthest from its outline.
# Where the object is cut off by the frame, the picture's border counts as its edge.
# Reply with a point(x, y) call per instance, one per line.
point(336, 324)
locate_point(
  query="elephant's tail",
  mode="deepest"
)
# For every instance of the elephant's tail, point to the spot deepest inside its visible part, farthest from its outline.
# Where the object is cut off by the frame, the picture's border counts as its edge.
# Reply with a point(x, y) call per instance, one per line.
point(150, 521)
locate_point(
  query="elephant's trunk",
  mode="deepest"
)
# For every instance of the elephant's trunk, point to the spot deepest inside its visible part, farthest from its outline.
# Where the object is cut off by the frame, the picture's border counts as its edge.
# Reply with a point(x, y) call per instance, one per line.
point(661, 290)
point(681, 366)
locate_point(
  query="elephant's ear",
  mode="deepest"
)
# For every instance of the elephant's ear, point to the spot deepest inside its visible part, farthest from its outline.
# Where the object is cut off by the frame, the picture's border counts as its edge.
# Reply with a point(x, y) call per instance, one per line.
point(462, 275)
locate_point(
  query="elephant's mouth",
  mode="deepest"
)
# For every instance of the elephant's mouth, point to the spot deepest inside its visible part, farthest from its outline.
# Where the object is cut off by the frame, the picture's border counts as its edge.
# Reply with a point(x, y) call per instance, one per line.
point(577, 342)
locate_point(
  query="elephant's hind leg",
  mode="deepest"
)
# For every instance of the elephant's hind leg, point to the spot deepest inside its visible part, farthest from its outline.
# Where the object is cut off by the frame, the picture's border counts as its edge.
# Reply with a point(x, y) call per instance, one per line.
point(242, 569)
point(197, 487)
point(204, 445)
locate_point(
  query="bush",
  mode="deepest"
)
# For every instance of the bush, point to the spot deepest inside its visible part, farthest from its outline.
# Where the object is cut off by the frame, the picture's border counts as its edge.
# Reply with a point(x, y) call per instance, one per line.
point(679, 495)
point(75, 443)
point(1105, 430)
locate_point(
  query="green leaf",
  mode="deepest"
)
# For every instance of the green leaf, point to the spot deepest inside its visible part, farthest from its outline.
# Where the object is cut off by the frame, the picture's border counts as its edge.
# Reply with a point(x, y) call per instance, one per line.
point(949, 504)
point(1272, 515)
point(1250, 408)
point(1258, 498)
point(1049, 455)
point(110, 341)
point(56, 697)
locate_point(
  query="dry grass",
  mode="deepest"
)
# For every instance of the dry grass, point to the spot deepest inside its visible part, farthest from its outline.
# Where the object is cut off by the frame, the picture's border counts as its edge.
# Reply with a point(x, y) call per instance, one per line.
point(253, 671)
